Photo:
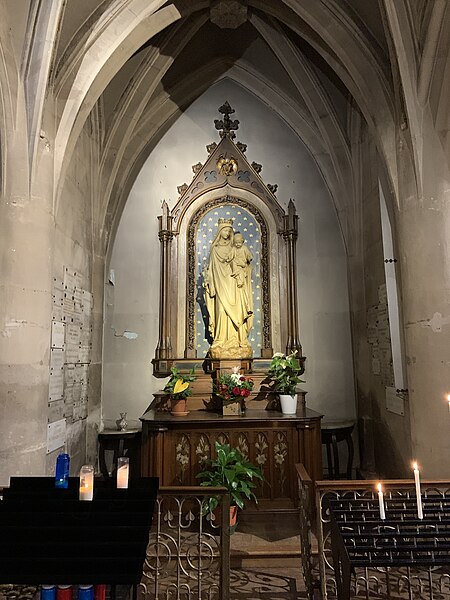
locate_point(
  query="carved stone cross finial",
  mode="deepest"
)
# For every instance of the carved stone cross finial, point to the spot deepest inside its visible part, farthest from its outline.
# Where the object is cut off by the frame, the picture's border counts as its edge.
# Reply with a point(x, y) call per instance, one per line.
point(226, 126)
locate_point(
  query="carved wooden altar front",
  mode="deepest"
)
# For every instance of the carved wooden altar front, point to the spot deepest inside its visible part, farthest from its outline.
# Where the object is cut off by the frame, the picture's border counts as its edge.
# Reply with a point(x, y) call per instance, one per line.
point(176, 449)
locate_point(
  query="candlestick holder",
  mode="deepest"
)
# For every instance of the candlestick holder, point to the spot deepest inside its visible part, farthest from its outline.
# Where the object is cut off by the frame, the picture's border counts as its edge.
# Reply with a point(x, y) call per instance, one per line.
point(123, 470)
point(86, 482)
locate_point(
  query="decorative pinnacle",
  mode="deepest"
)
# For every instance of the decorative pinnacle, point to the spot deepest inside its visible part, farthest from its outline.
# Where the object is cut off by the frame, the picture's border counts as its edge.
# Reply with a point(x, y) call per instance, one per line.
point(226, 126)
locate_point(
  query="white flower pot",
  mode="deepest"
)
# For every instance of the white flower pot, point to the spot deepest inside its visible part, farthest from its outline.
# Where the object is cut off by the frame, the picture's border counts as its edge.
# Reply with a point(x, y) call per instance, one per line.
point(288, 404)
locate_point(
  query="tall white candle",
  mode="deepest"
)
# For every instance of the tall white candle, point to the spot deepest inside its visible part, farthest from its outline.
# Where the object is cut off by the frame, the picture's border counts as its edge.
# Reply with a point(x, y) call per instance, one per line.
point(123, 469)
point(418, 494)
point(86, 482)
point(381, 502)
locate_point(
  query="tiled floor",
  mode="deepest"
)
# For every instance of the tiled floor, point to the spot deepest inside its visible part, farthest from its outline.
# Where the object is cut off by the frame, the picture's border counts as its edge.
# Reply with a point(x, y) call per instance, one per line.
point(268, 583)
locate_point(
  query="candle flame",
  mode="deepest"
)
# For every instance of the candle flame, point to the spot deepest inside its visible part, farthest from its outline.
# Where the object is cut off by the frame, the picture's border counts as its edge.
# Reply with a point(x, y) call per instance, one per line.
point(448, 398)
point(415, 466)
point(379, 487)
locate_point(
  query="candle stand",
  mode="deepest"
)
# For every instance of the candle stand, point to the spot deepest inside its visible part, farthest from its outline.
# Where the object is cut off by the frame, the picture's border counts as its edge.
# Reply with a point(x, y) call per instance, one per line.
point(400, 557)
point(359, 538)
point(48, 536)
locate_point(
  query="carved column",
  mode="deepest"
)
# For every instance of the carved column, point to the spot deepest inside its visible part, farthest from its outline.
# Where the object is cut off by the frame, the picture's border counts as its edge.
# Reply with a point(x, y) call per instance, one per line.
point(165, 234)
point(290, 234)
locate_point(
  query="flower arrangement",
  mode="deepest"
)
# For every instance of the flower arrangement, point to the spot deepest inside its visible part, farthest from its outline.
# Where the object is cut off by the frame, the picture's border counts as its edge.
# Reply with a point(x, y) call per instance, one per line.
point(284, 371)
point(178, 385)
point(233, 387)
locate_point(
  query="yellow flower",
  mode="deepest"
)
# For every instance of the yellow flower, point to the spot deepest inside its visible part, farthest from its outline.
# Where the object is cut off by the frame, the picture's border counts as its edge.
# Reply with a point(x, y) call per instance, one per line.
point(180, 386)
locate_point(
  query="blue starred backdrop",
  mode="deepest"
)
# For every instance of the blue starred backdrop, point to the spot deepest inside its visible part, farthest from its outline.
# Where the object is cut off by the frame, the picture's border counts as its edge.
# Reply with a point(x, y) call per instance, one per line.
point(245, 223)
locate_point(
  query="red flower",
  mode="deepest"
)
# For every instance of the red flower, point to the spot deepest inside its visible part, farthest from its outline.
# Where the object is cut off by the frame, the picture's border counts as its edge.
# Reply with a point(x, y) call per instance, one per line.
point(235, 391)
point(242, 392)
point(242, 378)
point(246, 393)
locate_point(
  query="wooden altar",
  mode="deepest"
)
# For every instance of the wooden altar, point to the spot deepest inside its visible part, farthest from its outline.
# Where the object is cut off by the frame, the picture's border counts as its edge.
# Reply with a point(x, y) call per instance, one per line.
point(174, 449)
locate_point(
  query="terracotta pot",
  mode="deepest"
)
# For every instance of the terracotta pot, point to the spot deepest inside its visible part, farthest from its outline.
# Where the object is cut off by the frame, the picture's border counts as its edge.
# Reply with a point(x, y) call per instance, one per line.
point(218, 516)
point(178, 407)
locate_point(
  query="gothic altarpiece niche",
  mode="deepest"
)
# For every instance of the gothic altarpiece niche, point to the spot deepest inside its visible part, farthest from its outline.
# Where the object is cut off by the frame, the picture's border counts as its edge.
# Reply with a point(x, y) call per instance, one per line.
point(226, 237)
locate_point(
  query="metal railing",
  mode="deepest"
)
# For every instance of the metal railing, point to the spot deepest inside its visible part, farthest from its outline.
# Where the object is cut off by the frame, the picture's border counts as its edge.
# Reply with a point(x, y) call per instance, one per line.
point(380, 582)
point(188, 555)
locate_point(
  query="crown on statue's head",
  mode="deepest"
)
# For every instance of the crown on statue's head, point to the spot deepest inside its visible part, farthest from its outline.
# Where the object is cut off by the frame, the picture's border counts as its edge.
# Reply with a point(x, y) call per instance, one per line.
point(226, 222)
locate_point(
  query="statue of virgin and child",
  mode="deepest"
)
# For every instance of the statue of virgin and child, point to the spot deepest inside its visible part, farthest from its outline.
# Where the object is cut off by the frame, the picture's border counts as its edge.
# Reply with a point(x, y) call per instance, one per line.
point(228, 293)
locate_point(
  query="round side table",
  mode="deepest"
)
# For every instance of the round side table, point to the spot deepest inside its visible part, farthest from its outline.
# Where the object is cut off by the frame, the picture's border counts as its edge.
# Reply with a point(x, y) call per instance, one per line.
point(120, 443)
point(332, 434)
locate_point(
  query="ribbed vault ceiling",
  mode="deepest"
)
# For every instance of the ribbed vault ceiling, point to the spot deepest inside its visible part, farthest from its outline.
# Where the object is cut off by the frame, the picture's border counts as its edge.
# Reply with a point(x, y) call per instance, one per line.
point(133, 66)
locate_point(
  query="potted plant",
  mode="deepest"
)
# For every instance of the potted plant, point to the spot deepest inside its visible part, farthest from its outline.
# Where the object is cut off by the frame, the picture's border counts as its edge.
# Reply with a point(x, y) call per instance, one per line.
point(233, 471)
point(284, 371)
point(179, 389)
point(233, 388)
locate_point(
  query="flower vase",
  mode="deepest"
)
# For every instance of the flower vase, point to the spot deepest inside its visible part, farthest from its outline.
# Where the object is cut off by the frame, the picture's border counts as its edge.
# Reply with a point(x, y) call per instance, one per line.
point(288, 404)
point(122, 423)
point(231, 409)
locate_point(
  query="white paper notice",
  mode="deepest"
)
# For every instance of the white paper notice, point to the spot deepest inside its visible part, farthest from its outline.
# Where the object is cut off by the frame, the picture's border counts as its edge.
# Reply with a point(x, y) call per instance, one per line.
point(394, 402)
point(56, 385)
point(56, 435)
point(57, 304)
point(57, 334)
point(56, 411)
point(87, 301)
point(69, 279)
point(56, 359)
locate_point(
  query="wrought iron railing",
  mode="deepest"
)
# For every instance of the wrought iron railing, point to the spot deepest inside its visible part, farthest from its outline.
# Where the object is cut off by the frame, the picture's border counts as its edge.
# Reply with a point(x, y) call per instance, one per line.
point(380, 582)
point(188, 555)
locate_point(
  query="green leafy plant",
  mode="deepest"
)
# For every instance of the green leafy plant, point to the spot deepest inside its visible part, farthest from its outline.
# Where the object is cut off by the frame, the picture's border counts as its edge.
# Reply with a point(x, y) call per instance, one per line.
point(230, 470)
point(178, 385)
point(284, 371)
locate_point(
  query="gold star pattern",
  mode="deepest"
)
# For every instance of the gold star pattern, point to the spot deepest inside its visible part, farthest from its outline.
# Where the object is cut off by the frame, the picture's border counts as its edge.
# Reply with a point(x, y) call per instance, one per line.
point(206, 231)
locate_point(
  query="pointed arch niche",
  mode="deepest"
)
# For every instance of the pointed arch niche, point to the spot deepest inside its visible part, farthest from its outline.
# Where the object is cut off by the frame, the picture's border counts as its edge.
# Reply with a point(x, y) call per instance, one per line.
point(226, 186)
point(132, 298)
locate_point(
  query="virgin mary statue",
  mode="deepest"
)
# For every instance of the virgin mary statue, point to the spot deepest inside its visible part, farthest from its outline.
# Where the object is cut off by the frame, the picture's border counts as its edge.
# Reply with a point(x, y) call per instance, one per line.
point(228, 298)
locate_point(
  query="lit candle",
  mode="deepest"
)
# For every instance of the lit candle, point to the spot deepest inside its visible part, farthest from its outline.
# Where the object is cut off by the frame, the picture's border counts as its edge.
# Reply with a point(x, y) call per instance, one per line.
point(381, 502)
point(123, 469)
point(448, 400)
point(418, 494)
point(86, 482)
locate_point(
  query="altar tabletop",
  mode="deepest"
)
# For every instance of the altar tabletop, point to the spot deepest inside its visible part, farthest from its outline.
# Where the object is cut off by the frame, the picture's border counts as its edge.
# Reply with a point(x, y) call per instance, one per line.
point(251, 415)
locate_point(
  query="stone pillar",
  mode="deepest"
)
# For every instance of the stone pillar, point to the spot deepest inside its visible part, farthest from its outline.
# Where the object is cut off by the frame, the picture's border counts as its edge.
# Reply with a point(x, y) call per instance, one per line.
point(26, 246)
point(164, 347)
point(290, 234)
point(423, 233)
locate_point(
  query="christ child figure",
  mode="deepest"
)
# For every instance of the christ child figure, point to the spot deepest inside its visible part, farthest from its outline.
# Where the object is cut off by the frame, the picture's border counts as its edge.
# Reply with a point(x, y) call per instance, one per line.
point(242, 258)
